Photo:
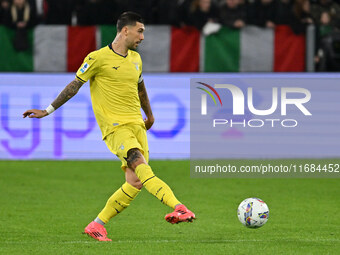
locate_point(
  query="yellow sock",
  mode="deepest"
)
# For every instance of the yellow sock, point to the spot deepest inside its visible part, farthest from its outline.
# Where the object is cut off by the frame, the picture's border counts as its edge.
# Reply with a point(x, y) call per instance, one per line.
point(156, 186)
point(118, 202)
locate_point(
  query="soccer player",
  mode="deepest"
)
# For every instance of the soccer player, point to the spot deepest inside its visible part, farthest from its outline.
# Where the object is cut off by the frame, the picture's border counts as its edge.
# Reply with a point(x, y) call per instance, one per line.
point(118, 92)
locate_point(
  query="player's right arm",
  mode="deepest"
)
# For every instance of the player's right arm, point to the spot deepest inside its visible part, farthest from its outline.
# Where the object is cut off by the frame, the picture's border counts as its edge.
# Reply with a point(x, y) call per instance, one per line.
point(68, 92)
point(87, 70)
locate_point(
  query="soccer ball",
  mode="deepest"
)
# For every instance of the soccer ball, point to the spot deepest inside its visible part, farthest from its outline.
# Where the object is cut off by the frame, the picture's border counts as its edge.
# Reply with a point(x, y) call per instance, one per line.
point(253, 212)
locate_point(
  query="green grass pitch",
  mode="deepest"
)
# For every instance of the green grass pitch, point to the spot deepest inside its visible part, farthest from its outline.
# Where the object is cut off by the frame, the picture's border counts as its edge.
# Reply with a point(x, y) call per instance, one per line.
point(45, 205)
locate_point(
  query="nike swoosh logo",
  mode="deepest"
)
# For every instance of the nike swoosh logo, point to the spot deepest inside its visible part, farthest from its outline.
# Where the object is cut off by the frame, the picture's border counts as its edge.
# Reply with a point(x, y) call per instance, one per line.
point(115, 67)
point(91, 58)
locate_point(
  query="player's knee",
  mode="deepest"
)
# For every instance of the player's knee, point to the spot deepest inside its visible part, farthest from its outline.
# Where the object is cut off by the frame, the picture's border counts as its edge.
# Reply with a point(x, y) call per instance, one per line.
point(135, 158)
point(132, 178)
point(137, 184)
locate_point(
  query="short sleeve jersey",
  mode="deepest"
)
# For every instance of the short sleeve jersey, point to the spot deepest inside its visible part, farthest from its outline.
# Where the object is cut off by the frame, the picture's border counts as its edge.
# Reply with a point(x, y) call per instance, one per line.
point(114, 87)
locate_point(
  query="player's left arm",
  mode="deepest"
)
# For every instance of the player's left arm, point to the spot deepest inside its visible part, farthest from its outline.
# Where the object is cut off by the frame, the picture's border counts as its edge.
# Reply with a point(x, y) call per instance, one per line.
point(145, 104)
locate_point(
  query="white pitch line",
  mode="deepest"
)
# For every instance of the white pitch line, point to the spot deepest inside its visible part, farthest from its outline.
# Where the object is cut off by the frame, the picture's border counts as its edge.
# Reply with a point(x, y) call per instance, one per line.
point(176, 241)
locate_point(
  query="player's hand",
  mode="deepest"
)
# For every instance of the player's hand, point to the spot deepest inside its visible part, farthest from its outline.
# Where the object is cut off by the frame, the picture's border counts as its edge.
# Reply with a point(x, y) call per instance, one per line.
point(149, 122)
point(34, 113)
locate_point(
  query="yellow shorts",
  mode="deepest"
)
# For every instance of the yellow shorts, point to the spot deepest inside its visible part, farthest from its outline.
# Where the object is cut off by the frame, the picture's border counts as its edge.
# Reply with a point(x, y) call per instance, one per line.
point(126, 137)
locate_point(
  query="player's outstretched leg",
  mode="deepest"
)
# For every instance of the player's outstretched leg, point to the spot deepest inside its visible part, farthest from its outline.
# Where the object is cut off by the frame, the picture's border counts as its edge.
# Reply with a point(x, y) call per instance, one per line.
point(158, 188)
point(117, 203)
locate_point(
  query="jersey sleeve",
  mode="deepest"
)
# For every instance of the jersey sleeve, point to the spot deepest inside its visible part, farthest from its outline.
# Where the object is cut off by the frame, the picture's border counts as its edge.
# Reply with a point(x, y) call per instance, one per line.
point(88, 68)
point(141, 71)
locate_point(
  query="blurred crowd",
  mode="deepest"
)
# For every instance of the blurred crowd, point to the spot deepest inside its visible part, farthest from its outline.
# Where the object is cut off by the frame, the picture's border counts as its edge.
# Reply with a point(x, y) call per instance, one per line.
point(298, 14)
point(231, 13)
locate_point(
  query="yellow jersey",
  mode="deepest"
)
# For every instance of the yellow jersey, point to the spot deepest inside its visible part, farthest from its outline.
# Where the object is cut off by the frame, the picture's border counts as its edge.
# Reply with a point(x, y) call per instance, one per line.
point(114, 87)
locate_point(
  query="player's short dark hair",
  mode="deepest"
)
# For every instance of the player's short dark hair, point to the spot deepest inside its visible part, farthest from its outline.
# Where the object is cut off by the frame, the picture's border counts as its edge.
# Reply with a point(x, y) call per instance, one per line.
point(128, 19)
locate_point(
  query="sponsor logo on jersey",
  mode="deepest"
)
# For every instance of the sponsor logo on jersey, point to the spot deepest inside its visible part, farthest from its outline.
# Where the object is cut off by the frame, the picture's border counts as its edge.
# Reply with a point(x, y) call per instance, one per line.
point(84, 68)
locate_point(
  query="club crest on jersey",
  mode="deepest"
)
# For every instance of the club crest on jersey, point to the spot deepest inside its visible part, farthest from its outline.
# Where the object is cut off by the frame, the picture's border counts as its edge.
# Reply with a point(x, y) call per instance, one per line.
point(84, 68)
point(136, 65)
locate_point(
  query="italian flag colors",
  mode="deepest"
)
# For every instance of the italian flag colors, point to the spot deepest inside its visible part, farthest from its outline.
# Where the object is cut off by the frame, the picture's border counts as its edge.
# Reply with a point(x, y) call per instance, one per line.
point(165, 49)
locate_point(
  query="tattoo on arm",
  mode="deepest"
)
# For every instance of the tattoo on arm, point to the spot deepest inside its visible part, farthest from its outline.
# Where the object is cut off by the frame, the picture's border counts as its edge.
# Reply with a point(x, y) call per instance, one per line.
point(144, 99)
point(68, 92)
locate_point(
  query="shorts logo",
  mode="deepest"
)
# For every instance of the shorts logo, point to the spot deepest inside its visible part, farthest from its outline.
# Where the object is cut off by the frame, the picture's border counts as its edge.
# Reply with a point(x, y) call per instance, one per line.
point(84, 68)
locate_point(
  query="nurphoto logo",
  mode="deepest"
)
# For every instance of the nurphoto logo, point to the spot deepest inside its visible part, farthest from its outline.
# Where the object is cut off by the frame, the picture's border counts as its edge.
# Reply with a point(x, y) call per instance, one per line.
point(241, 101)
